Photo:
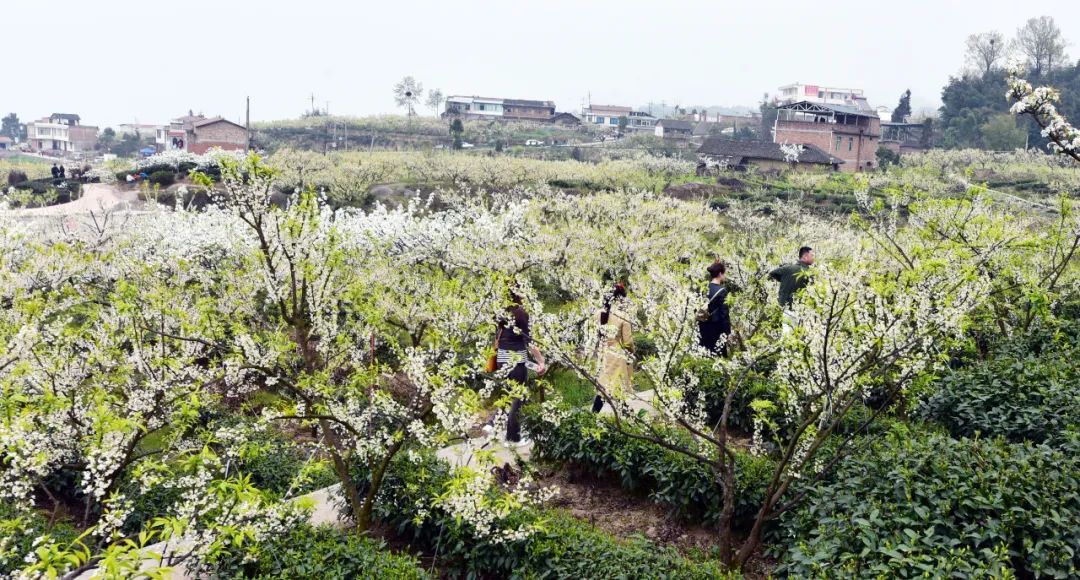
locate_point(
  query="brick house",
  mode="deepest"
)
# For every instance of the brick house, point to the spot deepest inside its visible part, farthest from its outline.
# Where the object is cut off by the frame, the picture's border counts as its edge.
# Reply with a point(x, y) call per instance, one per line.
point(198, 134)
point(527, 110)
point(765, 155)
point(673, 129)
point(474, 107)
point(849, 132)
point(217, 132)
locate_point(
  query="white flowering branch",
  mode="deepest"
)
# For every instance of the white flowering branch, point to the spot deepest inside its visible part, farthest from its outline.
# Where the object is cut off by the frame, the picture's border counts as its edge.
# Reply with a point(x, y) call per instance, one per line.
point(1041, 105)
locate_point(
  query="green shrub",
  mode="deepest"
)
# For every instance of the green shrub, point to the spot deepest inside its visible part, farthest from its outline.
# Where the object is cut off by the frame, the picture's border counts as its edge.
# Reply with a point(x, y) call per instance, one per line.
point(18, 533)
point(273, 461)
point(158, 168)
point(186, 167)
point(315, 553)
point(15, 177)
point(688, 488)
point(933, 506)
point(560, 547)
point(1033, 398)
point(712, 386)
point(162, 178)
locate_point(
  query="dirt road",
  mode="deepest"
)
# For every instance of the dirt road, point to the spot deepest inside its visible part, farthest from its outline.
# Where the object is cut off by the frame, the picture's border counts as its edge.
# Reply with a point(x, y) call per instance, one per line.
point(95, 197)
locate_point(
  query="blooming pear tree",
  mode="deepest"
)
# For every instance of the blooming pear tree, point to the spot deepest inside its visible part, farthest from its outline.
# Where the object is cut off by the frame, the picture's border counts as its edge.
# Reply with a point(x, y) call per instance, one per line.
point(859, 327)
point(1040, 103)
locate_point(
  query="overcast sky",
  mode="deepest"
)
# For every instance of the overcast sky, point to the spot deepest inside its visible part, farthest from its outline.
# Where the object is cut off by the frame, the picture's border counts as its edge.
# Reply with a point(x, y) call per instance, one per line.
point(117, 61)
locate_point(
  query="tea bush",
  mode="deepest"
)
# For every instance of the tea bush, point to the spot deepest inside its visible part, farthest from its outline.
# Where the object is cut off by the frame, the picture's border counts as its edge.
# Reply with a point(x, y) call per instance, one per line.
point(560, 547)
point(313, 553)
point(1033, 398)
point(914, 505)
point(685, 486)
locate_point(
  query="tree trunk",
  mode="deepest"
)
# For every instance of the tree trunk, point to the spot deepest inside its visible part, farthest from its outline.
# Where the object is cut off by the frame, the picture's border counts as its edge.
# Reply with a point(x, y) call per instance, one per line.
point(363, 518)
point(348, 486)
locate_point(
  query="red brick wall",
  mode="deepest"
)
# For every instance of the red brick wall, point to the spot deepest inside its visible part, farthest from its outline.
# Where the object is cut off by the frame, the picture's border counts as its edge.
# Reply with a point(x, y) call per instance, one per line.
point(224, 135)
point(204, 146)
point(823, 136)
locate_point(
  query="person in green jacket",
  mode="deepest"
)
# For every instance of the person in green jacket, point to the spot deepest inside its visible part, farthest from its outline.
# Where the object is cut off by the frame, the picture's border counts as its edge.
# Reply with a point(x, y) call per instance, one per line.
point(793, 277)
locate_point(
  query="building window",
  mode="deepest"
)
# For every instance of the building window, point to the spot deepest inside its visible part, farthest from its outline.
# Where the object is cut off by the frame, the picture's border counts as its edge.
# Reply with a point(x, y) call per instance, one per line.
point(839, 140)
point(599, 120)
point(850, 143)
point(483, 107)
point(613, 121)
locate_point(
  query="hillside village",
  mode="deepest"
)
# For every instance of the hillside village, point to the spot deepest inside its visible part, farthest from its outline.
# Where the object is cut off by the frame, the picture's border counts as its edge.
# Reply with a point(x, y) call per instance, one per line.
point(836, 125)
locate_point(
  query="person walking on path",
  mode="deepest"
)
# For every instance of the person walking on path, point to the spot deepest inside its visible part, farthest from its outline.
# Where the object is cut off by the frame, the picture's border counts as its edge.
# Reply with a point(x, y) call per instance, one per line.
point(513, 347)
point(62, 172)
point(615, 347)
point(714, 323)
point(55, 171)
point(793, 277)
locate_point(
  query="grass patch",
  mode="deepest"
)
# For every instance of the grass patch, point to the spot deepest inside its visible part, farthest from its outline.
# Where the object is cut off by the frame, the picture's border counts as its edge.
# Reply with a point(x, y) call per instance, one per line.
point(575, 391)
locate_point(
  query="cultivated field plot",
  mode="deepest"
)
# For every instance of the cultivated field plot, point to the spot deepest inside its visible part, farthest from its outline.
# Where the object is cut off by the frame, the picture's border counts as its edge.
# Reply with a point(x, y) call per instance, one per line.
point(261, 329)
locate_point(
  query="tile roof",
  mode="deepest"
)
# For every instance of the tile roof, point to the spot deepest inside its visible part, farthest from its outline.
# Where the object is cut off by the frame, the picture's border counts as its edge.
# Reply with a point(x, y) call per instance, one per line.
point(676, 124)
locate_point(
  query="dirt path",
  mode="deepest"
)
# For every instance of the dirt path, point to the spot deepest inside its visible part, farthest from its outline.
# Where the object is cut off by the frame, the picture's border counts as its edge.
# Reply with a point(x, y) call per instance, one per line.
point(95, 197)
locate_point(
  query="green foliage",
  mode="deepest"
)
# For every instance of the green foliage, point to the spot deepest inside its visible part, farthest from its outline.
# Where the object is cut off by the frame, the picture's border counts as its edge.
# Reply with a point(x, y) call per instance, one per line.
point(969, 103)
point(1027, 397)
point(15, 177)
point(18, 532)
point(712, 386)
point(163, 178)
point(559, 547)
point(887, 157)
point(903, 108)
point(687, 487)
point(1002, 133)
point(575, 392)
point(934, 506)
point(314, 553)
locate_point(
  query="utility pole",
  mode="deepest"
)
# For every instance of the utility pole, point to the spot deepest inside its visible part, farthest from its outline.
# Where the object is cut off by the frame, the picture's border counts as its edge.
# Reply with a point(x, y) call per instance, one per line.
point(313, 104)
point(247, 122)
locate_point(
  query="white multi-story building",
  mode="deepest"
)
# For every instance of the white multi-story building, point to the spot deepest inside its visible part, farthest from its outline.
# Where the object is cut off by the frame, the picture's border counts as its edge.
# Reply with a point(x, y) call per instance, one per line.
point(797, 92)
point(61, 133)
point(609, 115)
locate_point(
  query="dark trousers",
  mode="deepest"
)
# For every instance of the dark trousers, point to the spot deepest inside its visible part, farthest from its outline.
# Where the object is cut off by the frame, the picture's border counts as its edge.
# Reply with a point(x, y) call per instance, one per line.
point(710, 333)
point(520, 375)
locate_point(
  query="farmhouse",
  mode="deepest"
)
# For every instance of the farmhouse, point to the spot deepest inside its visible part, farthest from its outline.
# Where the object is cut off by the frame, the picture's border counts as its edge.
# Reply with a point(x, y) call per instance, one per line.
point(673, 129)
point(609, 115)
point(217, 132)
point(5, 143)
point(199, 134)
point(61, 134)
point(849, 132)
point(765, 155)
point(498, 108)
point(565, 120)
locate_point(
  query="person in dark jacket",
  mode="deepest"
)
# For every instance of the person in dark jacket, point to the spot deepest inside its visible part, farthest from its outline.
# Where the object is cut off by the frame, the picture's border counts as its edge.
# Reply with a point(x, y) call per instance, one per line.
point(793, 277)
point(55, 171)
point(717, 321)
point(513, 348)
point(62, 172)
